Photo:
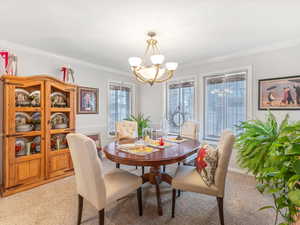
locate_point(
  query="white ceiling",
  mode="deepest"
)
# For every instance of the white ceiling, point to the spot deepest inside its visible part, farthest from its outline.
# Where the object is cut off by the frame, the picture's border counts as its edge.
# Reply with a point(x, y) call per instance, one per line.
point(108, 32)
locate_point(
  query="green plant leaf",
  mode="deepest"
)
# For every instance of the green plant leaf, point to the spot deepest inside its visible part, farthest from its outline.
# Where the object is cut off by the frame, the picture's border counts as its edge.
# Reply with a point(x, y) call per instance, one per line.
point(294, 196)
point(261, 188)
point(296, 167)
point(266, 207)
point(293, 149)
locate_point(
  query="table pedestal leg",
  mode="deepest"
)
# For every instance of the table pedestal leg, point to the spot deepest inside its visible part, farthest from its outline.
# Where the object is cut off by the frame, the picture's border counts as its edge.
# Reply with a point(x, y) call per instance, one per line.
point(155, 177)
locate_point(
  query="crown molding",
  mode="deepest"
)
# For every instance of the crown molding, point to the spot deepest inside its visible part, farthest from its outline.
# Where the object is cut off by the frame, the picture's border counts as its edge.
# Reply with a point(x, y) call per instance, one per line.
point(244, 53)
point(4, 44)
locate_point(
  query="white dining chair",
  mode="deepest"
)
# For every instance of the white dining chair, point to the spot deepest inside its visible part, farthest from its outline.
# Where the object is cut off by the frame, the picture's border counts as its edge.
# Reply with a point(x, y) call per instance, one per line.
point(187, 178)
point(127, 131)
point(92, 184)
point(189, 130)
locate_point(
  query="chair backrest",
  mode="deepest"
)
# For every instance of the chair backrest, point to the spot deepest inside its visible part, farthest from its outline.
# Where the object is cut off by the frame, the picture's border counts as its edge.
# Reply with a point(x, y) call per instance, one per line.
point(126, 129)
point(225, 149)
point(88, 169)
point(189, 129)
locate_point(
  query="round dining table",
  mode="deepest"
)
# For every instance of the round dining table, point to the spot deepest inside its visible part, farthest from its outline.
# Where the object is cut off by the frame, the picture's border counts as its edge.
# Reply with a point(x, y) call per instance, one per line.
point(155, 160)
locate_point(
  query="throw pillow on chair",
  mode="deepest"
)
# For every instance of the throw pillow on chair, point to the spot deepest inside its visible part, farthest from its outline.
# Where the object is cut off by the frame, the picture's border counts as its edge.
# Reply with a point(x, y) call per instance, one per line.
point(206, 164)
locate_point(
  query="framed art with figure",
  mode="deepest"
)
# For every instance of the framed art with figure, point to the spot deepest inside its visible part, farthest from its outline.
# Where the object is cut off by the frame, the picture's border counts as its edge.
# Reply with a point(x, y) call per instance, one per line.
point(87, 100)
point(282, 93)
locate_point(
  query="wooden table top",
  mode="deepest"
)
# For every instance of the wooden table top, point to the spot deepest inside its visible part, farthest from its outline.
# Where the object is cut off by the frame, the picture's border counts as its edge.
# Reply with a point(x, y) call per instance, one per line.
point(172, 154)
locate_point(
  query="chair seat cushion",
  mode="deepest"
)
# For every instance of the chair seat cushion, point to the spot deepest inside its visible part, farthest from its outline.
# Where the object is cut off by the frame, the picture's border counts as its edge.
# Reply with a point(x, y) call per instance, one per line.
point(187, 178)
point(120, 183)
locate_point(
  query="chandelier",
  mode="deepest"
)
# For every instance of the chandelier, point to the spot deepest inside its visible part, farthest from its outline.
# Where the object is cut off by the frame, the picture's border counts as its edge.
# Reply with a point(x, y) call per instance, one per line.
point(150, 68)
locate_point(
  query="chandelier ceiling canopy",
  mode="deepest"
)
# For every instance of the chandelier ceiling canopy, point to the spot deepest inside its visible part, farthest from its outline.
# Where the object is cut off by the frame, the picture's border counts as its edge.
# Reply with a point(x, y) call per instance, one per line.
point(150, 68)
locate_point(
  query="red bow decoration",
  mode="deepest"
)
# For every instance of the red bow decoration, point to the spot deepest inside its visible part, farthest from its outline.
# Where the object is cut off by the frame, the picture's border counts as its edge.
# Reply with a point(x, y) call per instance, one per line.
point(200, 162)
point(67, 71)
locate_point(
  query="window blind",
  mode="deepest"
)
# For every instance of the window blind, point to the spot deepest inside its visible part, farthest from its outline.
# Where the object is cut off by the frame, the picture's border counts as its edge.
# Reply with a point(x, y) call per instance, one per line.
point(225, 103)
point(119, 104)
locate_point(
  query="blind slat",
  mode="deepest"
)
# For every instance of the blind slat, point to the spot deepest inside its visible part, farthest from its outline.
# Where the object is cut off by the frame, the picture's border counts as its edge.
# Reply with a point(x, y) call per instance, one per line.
point(225, 103)
point(119, 104)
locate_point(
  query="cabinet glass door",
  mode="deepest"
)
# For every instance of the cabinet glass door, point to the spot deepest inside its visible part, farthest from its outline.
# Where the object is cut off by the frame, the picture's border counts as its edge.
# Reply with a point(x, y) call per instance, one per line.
point(60, 104)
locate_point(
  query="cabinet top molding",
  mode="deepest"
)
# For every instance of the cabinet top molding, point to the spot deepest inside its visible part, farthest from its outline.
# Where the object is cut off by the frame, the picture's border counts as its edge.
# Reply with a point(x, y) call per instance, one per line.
point(34, 77)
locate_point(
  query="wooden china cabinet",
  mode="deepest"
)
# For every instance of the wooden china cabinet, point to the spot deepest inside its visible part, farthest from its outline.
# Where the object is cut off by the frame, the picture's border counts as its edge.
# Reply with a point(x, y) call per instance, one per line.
point(39, 111)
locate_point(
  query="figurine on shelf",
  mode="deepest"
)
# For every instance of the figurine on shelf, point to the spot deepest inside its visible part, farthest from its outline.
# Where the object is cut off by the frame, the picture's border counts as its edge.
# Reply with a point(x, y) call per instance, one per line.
point(68, 73)
point(28, 148)
point(58, 140)
point(12, 66)
point(3, 61)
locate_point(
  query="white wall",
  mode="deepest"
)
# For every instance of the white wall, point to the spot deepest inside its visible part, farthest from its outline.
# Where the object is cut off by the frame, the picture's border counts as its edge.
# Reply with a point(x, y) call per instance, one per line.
point(275, 63)
point(36, 62)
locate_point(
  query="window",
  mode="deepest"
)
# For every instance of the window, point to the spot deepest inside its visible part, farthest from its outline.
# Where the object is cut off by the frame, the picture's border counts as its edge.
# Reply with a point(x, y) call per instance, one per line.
point(180, 103)
point(225, 103)
point(120, 104)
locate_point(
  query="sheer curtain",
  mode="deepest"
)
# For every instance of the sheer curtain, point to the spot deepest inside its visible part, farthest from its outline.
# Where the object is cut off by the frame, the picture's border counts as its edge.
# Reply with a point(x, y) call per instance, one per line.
point(225, 103)
point(119, 104)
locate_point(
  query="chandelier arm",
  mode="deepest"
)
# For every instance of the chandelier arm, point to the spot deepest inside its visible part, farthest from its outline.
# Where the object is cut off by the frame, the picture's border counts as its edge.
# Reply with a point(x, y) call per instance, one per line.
point(143, 82)
point(139, 76)
point(170, 75)
point(138, 79)
point(156, 74)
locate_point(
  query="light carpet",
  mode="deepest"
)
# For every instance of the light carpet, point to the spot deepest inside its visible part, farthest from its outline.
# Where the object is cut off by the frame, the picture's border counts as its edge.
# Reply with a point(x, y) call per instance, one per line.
point(56, 204)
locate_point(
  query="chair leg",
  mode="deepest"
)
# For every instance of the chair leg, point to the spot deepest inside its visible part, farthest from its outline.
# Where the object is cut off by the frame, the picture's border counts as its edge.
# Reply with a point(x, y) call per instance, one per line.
point(101, 217)
point(221, 212)
point(80, 206)
point(118, 165)
point(173, 202)
point(179, 193)
point(178, 163)
point(140, 203)
point(136, 167)
point(164, 168)
point(143, 170)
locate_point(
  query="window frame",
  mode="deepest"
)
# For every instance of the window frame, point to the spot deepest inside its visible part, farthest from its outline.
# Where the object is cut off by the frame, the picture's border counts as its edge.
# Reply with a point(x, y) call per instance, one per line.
point(248, 97)
point(132, 100)
point(166, 95)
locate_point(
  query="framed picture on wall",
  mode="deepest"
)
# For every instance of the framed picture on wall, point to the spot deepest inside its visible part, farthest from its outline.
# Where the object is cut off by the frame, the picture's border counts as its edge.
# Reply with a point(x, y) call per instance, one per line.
point(87, 100)
point(279, 93)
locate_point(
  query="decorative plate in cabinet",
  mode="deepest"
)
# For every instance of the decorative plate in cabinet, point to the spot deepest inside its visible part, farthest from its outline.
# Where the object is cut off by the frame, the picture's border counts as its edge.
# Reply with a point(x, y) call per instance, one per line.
point(58, 99)
point(59, 121)
point(23, 122)
point(22, 97)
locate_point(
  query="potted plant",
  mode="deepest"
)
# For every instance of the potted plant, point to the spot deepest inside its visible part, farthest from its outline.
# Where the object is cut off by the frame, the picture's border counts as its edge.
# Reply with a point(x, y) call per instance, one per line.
point(142, 122)
point(271, 152)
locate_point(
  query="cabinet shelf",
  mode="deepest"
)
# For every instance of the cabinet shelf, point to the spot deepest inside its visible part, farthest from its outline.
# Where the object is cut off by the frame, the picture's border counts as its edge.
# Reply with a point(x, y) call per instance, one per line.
point(58, 109)
point(27, 133)
point(59, 131)
point(28, 109)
